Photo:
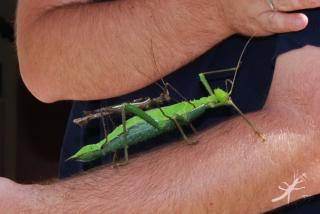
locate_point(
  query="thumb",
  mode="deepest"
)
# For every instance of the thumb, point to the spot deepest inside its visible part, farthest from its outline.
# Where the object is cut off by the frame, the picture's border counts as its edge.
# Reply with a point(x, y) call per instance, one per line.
point(278, 22)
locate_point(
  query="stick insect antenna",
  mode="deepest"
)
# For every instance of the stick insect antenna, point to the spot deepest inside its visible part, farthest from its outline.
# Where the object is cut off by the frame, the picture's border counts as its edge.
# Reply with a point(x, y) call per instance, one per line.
point(239, 63)
point(233, 69)
point(167, 84)
point(232, 86)
point(104, 128)
point(164, 87)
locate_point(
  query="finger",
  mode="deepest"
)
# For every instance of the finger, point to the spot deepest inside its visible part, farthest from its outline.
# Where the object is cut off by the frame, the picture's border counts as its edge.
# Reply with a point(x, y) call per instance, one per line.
point(292, 5)
point(277, 22)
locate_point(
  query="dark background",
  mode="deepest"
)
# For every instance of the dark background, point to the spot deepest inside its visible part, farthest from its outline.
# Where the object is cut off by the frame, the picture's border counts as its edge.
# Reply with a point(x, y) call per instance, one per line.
point(31, 132)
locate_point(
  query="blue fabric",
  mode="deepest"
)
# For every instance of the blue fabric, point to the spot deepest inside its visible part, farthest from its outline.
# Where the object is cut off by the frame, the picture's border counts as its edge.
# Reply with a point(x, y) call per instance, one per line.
point(311, 35)
point(250, 93)
point(309, 205)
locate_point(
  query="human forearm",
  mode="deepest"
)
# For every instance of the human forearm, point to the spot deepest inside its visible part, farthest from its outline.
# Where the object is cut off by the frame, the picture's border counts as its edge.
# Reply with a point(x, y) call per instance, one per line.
point(87, 51)
point(74, 49)
point(234, 173)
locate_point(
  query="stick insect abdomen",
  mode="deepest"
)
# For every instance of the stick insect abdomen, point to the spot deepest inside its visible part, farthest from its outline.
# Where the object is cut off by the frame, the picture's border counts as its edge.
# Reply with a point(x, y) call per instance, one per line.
point(144, 131)
point(136, 134)
point(138, 130)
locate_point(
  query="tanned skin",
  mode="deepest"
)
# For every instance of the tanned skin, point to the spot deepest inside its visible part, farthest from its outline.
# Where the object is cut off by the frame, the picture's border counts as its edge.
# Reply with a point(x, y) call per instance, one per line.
point(75, 49)
point(230, 171)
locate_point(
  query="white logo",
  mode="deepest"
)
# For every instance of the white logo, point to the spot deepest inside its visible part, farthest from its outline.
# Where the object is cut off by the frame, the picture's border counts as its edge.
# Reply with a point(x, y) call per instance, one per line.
point(288, 189)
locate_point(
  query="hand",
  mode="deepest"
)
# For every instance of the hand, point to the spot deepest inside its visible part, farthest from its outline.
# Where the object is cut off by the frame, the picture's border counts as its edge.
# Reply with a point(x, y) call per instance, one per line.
point(265, 17)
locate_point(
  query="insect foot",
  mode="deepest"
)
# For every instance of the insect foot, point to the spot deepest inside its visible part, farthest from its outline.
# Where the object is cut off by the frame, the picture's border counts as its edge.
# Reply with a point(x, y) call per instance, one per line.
point(288, 189)
point(124, 163)
point(192, 142)
point(119, 164)
point(263, 138)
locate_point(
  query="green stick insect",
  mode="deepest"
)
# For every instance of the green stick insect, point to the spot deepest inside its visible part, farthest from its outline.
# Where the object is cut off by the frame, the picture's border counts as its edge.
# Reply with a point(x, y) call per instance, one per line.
point(154, 122)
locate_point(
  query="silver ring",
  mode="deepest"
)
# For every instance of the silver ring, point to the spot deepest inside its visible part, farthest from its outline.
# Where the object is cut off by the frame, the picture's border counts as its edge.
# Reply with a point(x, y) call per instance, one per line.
point(271, 5)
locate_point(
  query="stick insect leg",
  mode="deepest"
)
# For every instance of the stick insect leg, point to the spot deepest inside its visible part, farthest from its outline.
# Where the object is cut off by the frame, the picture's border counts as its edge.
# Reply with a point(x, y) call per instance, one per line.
point(175, 120)
point(180, 94)
point(234, 69)
point(258, 133)
point(206, 84)
point(204, 81)
point(186, 139)
point(125, 132)
point(182, 120)
point(104, 128)
point(194, 130)
point(209, 89)
point(226, 82)
point(114, 157)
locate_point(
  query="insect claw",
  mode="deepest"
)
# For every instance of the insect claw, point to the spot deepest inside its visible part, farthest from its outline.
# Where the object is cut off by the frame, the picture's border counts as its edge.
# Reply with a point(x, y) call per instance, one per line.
point(114, 158)
point(191, 142)
point(122, 163)
point(263, 138)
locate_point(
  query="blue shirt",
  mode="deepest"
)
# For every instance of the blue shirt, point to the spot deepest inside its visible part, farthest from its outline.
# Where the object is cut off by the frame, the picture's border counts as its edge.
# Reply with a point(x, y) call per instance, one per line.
point(250, 92)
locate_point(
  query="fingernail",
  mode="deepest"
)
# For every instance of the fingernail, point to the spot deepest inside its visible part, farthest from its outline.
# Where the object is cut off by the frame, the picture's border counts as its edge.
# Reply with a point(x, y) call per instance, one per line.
point(301, 22)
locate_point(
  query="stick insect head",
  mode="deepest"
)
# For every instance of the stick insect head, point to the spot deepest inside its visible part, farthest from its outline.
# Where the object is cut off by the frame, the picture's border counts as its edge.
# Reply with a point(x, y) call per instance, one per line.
point(218, 97)
point(221, 95)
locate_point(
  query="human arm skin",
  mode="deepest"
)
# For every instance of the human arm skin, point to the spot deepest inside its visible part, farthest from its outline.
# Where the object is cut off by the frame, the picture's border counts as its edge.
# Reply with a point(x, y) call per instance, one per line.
point(79, 50)
point(230, 170)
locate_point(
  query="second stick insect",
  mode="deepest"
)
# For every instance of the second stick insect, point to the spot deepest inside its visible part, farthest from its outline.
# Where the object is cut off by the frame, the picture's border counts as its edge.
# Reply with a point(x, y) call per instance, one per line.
point(154, 122)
